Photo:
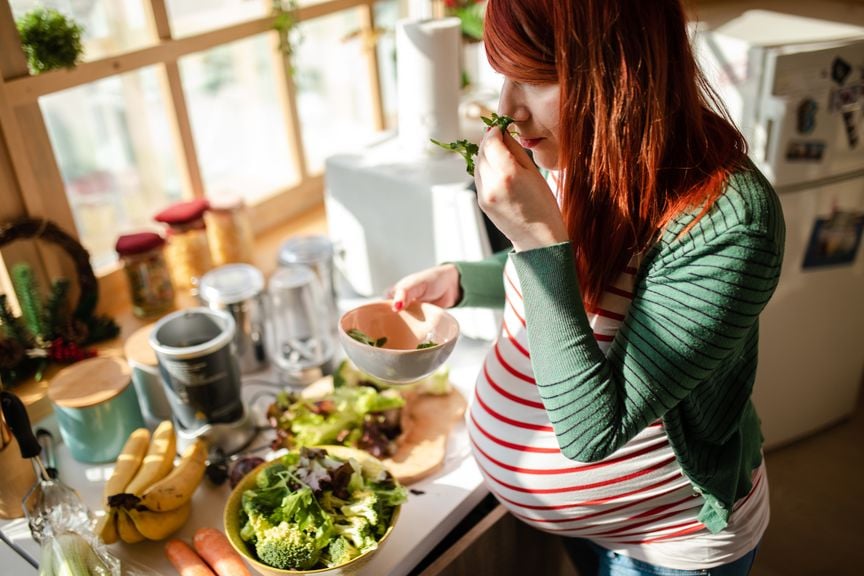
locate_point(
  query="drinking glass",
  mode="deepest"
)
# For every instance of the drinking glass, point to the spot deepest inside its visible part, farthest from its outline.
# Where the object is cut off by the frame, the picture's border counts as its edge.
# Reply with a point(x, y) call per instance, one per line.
point(299, 324)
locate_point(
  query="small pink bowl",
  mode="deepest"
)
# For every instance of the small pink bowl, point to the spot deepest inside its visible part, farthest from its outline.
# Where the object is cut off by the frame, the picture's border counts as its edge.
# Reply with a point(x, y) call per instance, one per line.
point(398, 360)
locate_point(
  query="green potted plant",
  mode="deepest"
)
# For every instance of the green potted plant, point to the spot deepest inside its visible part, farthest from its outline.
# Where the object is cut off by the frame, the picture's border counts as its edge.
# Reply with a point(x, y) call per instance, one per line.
point(470, 14)
point(50, 40)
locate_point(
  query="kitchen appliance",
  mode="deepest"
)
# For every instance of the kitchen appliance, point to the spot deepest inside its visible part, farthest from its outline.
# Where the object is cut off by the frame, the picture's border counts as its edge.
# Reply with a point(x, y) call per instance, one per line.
point(196, 354)
point(391, 214)
point(316, 252)
point(239, 290)
point(302, 339)
point(51, 507)
point(795, 88)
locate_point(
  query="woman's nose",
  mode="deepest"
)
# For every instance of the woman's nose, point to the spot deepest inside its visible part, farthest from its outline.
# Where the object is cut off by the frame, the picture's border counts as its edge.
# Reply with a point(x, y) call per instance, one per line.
point(510, 104)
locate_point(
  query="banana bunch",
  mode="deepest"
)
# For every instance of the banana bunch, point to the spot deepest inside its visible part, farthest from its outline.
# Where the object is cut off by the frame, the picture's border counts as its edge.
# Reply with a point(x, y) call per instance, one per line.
point(147, 497)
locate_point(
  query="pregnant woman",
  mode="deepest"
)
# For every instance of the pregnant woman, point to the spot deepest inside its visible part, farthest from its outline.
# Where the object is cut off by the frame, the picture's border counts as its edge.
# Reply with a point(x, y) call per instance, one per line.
point(614, 408)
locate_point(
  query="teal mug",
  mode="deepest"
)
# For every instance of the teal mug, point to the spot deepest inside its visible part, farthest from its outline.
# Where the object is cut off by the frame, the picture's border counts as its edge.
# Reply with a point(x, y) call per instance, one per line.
point(96, 408)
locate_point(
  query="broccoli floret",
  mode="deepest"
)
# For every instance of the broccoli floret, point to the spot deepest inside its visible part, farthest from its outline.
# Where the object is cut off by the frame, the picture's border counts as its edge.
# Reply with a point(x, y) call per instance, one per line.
point(376, 506)
point(340, 551)
point(330, 502)
point(358, 532)
point(253, 527)
point(365, 504)
point(288, 547)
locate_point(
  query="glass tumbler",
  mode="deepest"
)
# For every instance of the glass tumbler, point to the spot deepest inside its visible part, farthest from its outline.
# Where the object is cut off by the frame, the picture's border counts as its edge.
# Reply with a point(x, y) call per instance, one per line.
point(302, 342)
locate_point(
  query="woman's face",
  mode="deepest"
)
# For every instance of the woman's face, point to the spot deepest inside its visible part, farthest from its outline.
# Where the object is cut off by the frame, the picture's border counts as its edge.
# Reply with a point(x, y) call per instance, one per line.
point(534, 109)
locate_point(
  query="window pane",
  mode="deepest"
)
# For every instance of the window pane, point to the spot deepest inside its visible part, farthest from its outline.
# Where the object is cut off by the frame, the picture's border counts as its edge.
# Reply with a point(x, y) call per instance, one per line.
point(386, 15)
point(238, 118)
point(115, 148)
point(190, 17)
point(333, 87)
point(110, 26)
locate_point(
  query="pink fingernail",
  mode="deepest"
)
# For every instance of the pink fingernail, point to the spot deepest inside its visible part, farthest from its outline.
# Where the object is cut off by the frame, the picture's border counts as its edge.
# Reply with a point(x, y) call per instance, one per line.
point(398, 305)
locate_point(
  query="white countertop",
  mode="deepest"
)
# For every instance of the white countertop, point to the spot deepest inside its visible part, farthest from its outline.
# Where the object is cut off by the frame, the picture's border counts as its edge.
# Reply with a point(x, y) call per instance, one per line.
point(435, 505)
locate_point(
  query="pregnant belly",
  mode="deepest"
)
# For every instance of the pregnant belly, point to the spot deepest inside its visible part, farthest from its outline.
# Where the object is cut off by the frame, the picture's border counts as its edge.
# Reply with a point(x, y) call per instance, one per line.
point(637, 492)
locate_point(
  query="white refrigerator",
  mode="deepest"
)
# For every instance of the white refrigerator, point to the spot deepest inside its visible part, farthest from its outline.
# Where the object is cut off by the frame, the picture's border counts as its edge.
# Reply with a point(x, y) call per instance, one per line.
point(795, 87)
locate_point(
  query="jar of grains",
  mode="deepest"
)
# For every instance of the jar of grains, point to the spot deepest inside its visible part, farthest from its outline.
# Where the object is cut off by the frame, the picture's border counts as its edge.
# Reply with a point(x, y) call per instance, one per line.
point(149, 280)
point(187, 249)
point(229, 231)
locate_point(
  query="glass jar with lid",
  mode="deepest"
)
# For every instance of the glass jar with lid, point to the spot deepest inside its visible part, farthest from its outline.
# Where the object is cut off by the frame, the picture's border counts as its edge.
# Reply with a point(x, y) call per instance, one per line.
point(187, 249)
point(229, 231)
point(144, 262)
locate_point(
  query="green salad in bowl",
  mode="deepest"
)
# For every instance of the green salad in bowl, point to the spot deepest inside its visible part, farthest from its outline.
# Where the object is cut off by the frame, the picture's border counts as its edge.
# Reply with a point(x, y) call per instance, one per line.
point(320, 510)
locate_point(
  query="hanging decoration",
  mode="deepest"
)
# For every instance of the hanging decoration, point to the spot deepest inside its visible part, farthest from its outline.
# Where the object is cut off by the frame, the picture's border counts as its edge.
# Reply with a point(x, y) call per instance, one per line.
point(285, 22)
point(49, 329)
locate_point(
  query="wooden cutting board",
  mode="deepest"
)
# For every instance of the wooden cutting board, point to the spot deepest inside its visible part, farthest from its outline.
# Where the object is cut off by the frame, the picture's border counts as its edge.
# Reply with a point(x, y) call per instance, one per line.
point(426, 424)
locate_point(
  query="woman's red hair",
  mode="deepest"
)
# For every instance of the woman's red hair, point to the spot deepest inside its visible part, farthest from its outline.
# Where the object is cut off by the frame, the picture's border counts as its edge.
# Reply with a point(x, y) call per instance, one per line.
point(641, 141)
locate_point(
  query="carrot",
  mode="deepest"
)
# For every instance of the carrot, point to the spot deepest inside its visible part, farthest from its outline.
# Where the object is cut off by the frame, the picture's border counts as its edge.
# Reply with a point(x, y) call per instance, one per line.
point(185, 559)
point(217, 551)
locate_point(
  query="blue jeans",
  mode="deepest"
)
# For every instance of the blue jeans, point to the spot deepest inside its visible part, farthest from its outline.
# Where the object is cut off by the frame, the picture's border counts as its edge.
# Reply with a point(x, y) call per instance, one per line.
point(593, 560)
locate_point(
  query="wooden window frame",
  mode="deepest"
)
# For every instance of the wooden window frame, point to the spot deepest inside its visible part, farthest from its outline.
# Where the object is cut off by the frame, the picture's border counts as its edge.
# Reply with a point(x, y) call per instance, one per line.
point(30, 180)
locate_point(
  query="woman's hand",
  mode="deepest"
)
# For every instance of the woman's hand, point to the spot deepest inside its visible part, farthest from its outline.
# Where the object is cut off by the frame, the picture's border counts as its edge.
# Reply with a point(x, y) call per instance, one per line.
point(514, 195)
point(438, 285)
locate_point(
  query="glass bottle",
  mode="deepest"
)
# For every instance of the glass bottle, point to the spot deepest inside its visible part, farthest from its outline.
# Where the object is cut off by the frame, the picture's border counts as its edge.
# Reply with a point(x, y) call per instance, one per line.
point(187, 249)
point(229, 231)
point(150, 286)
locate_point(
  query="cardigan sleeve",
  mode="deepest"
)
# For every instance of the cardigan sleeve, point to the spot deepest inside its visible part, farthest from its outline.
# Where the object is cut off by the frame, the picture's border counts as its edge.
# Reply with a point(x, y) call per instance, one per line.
point(482, 282)
point(691, 313)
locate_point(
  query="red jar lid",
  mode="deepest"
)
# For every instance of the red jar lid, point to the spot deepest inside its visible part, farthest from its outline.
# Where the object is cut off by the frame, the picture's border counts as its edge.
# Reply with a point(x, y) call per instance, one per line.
point(183, 212)
point(128, 244)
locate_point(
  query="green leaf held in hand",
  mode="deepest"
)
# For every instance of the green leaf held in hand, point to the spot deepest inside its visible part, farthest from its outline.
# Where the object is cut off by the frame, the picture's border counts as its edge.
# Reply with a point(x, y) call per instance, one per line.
point(502, 122)
point(468, 149)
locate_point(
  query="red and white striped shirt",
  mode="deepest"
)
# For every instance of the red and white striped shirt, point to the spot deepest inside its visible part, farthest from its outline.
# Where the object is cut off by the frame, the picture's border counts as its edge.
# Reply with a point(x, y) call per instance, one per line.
point(637, 501)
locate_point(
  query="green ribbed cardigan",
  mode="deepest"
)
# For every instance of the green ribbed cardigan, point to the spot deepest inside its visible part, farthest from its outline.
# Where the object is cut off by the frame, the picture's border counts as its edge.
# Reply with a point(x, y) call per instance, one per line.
point(686, 351)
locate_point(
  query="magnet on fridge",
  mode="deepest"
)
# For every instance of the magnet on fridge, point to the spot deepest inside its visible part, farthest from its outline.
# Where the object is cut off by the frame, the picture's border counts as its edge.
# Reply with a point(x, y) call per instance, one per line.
point(805, 151)
point(840, 70)
point(834, 240)
point(807, 116)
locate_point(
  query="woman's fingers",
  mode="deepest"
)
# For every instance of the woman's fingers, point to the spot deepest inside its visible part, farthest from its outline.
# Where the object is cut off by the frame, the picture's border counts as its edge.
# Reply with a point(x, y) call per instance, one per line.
point(403, 295)
point(501, 149)
point(518, 152)
point(438, 285)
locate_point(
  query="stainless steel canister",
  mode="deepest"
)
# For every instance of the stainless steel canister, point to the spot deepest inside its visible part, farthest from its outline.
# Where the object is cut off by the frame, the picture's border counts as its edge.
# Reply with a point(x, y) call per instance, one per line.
point(239, 290)
point(197, 360)
point(316, 252)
